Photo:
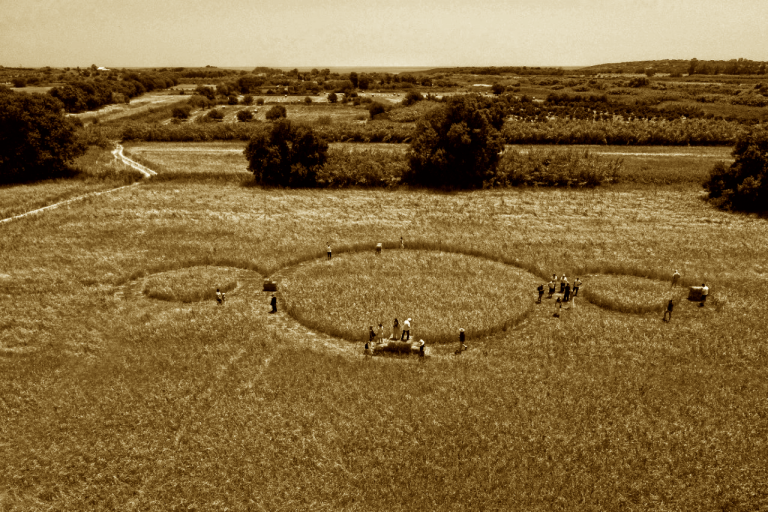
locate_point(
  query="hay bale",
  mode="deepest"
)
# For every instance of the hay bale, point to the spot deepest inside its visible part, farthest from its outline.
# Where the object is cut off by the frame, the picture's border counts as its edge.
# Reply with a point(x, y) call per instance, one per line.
point(399, 348)
point(270, 286)
point(695, 293)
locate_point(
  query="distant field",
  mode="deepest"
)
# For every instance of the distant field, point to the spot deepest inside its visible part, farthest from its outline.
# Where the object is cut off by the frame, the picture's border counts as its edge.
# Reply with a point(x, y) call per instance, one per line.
point(642, 164)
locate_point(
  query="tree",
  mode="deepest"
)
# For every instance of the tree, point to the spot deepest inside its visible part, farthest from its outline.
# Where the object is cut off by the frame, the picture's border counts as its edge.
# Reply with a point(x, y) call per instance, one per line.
point(244, 116)
point(181, 112)
point(692, 67)
point(231, 99)
point(19, 82)
point(276, 112)
point(354, 79)
point(376, 108)
point(411, 97)
point(455, 145)
point(247, 99)
point(363, 82)
point(36, 140)
point(332, 98)
point(498, 89)
point(260, 101)
point(744, 185)
point(287, 156)
point(307, 100)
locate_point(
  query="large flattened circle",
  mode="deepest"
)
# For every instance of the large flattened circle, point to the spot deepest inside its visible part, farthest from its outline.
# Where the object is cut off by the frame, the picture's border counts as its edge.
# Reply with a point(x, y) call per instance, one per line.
point(440, 291)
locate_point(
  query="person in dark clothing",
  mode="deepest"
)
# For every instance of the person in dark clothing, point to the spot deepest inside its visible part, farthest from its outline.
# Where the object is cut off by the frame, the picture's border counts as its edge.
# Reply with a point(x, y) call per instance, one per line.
point(540, 289)
point(558, 308)
point(371, 335)
point(567, 294)
point(273, 303)
point(328, 250)
point(421, 348)
point(219, 300)
point(670, 307)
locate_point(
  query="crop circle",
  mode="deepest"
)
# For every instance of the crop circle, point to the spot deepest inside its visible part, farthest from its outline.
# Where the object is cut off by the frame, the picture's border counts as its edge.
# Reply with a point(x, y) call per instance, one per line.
point(192, 284)
point(629, 294)
point(440, 291)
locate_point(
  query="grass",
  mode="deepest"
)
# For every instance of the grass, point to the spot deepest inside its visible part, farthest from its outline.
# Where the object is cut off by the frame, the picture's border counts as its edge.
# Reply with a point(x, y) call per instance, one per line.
point(190, 284)
point(95, 171)
point(108, 403)
point(441, 291)
point(630, 294)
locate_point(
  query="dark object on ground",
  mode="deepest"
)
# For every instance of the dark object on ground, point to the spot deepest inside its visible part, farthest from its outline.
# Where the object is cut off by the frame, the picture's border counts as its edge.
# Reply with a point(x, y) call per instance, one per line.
point(270, 286)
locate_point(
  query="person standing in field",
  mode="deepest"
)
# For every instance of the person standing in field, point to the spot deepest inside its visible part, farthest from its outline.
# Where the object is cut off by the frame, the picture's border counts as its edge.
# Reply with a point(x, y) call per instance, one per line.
point(402, 244)
point(540, 289)
point(223, 297)
point(563, 282)
point(576, 286)
point(704, 293)
point(328, 250)
point(668, 312)
point(381, 333)
point(218, 297)
point(421, 348)
point(567, 294)
point(551, 288)
point(273, 303)
point(675, 278)
point(371, 335)
point(396, 330)
point(406, 331)
point(558, 308)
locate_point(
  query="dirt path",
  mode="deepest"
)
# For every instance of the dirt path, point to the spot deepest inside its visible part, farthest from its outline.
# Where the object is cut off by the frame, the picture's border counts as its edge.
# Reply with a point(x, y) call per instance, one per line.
point(118, 152)
point(146, 171)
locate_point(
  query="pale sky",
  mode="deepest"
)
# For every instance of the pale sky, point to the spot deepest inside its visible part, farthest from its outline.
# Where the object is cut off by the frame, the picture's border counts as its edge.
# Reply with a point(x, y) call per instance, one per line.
point(301, 33)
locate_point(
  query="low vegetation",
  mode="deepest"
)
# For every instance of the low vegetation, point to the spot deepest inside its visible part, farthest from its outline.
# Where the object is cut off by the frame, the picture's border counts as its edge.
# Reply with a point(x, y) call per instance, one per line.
point(193, 284)
point(440, 291)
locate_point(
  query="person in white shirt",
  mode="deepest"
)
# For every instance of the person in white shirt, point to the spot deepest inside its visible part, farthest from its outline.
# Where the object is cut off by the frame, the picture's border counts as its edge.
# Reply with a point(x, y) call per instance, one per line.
point(218, 296)
point(675, 278)
point(406, 330)
point(328, 250)
point(563, 282)
point(576, 285)
point(704, 293)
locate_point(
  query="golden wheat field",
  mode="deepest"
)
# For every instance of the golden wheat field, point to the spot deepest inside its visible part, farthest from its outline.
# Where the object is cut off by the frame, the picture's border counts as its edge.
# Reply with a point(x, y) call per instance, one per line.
point(110, 400)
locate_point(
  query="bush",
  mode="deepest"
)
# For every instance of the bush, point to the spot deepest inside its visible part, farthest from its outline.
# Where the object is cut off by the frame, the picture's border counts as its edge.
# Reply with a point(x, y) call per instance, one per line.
point(498, 89)
point(260, 101)
point(36, 140)
point(231, 99)
point(376, 108)
point(19, 82)
point(332, 98)
point(639, 82)
point(288, 155)
point(247, 99)
point(411, 97)
point(307, 100)
point(276, 112)
point(455, 145)
point(215, 115)
point(244, 116)
point(744, 185)
point(556, 168)
point(181, 112)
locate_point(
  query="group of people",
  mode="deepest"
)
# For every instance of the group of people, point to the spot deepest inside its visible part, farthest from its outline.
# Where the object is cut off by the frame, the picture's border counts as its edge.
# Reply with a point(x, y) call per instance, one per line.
point(398, 333)
point(565, 288)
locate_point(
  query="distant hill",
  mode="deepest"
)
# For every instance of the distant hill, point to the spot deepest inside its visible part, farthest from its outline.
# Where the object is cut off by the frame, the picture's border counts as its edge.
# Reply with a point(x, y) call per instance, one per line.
point(703, 67)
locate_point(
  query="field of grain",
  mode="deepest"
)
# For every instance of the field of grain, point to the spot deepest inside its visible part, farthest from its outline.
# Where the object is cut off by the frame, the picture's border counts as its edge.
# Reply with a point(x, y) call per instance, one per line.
point(111, 400)
point(649, 165)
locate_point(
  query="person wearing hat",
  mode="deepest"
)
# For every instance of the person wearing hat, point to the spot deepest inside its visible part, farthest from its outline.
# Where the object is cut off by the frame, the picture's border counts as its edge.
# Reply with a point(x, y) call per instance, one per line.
point(563, 282)
point(462, 339)
point(421, 348)
point(675, 278)
point(273, 303)
point(406, 330)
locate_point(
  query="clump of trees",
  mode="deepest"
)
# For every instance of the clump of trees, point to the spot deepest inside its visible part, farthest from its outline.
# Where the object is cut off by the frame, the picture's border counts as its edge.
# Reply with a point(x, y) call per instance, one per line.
point(36, 140)
point(457, 145)
point(244, 116)
point(743, 185)
point(288, 155)
point(276, 112)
